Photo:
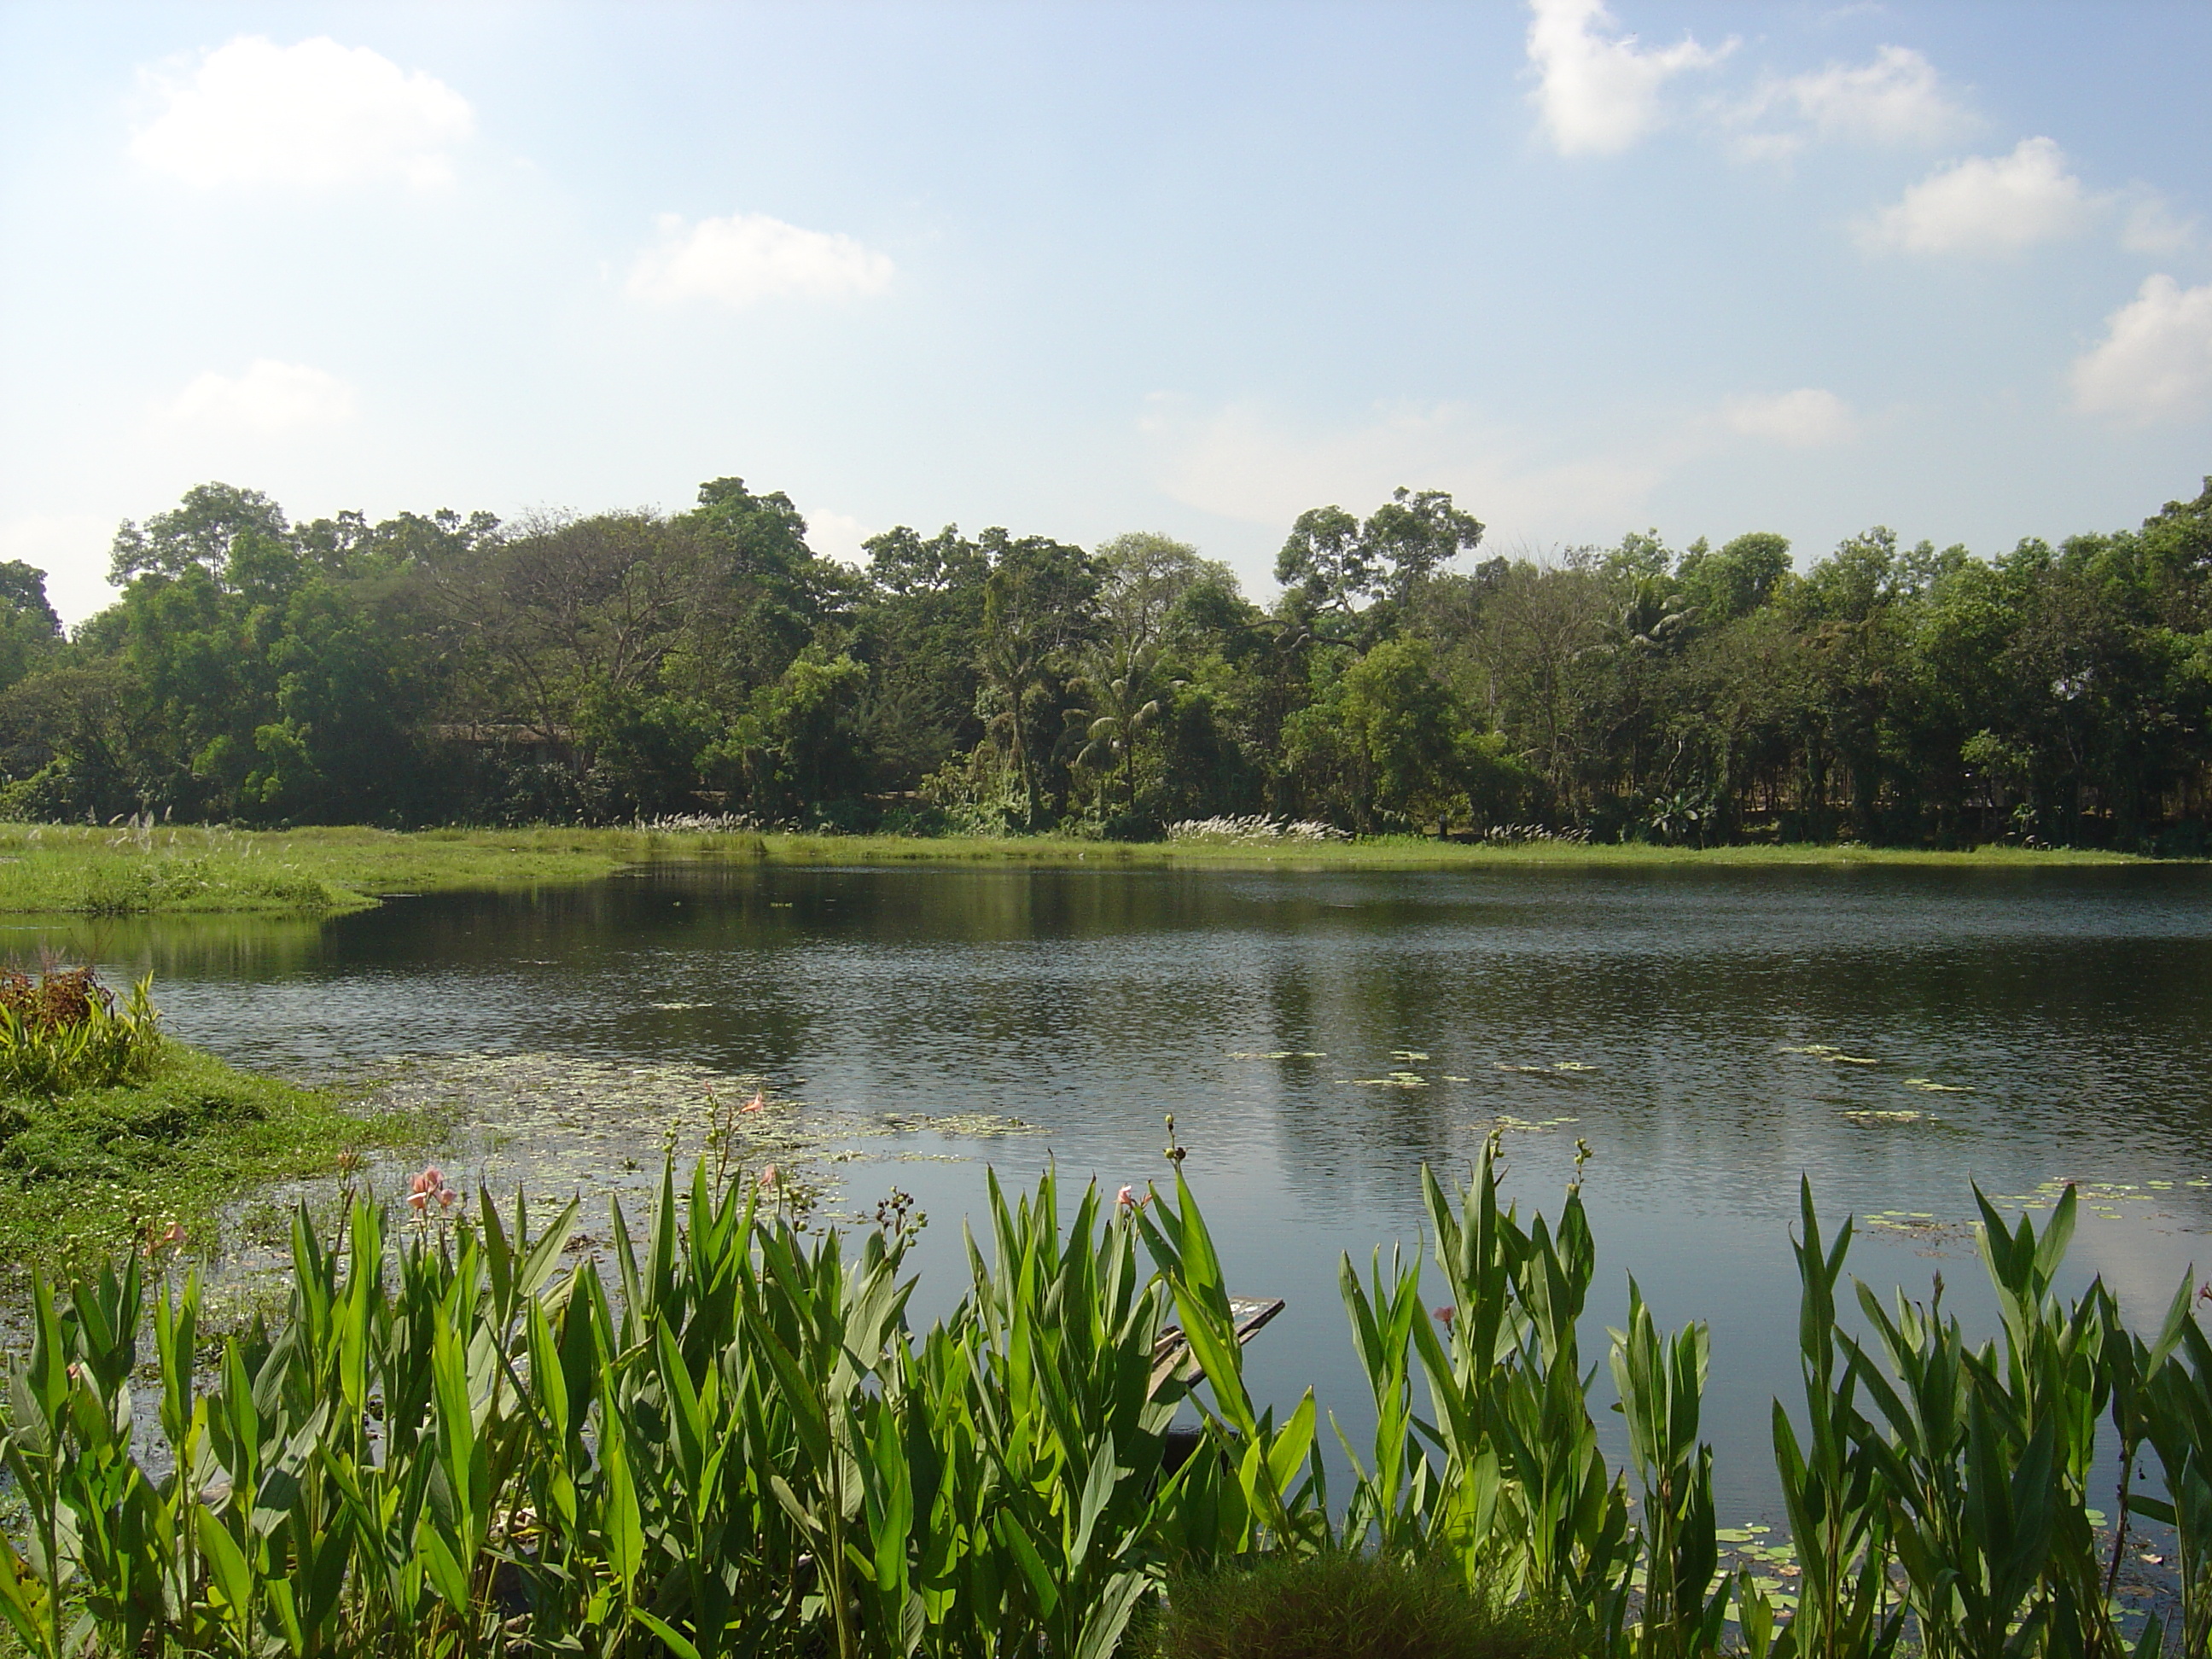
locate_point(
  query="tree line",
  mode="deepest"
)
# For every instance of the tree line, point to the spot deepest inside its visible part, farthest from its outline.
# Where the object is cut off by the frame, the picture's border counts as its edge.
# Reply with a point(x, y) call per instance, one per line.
point(617, 665)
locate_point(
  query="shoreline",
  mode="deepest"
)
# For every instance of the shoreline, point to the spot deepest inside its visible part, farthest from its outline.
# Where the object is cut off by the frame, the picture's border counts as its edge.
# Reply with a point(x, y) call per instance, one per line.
point(314, 872)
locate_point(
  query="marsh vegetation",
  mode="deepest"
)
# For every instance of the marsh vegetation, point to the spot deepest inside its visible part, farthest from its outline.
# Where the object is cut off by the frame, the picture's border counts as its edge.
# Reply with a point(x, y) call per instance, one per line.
point(451, 1442)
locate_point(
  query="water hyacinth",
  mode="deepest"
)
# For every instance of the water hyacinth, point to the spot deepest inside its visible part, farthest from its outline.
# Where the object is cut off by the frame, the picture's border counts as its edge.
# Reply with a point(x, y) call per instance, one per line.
point(468, 1440)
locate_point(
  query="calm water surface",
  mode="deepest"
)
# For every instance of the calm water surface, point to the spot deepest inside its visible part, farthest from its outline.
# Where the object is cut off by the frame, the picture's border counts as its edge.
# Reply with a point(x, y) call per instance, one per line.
point(2072, 1004)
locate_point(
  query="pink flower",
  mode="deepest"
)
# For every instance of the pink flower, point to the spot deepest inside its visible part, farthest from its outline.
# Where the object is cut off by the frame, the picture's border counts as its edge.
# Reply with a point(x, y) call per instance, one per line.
point(757, 1104)
point(1126, 1199)
point(1447, 1315)
point(768, 1177)
point(430, 1184)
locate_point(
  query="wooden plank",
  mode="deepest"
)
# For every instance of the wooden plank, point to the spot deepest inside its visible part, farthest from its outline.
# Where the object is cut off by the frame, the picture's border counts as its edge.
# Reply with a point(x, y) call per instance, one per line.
point(1173, 1362)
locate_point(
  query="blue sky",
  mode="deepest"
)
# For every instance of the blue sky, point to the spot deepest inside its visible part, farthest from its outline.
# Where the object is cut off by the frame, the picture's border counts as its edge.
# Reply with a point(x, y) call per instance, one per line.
point(1083, 269)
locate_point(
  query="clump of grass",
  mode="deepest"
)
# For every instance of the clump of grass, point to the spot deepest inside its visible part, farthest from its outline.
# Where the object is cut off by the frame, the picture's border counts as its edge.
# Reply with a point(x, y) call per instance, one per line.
point(62, 1031)
point(1342, 1604)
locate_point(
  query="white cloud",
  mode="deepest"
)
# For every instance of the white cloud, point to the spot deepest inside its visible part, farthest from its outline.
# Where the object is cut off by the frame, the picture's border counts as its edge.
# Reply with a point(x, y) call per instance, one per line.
point(270, 398)
point(748, 257)
point(316, 115)
point(837, 535)
point(2155, 360)
point(72, 548)
point(1598, 90)
point(2151, 225)
point(1807, 418)
point(1989, 205)
point(1244, 463)
point(1898, 99)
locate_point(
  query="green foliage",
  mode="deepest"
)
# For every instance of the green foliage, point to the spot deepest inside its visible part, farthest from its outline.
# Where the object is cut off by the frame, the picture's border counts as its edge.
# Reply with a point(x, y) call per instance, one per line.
point(85, 1172)
point(1334, 562)
point(452, 1443)
point(1387, 742)
point(1341, 1605)
point(602, 668)
point(63, 1033)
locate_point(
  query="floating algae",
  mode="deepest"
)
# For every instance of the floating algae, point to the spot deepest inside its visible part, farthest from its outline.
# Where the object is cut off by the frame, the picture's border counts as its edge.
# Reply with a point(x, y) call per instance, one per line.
point(561, 1125)
point(1557, 1068)
point(1928, 1087)
point(1409, 1055)
point(2099, 1198)
point(945, 1123)
point(1395, 1080)
point(1507, 1121)
point(1891, 1117)
point(1276, 1054)
point(1833, 1056)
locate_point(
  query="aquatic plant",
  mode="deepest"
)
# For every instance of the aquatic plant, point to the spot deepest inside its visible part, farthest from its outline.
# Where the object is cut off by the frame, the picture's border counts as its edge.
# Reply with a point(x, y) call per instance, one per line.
point(455, 1443)
point(1342, 1604)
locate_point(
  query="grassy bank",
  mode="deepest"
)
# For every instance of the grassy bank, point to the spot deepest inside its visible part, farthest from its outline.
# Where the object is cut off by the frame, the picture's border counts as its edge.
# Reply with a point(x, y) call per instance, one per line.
point(1378, 853)
point(59, 868)
point(87, 1173)
point(82, 871)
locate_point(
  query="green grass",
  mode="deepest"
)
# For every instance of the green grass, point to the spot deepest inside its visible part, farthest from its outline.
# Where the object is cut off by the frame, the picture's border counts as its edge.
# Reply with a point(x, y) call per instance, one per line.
point(83, 871)
point(83, 1175)
point(1374, 853)
point(77, 870)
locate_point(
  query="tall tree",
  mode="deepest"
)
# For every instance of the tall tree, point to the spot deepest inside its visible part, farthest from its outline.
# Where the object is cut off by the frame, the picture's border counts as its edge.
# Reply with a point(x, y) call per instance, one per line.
point(1037, 609)
point(1337, 564)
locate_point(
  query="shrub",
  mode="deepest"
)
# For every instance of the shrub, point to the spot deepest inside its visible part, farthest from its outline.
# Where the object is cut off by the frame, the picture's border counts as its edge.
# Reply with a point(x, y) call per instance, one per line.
point(62, 1032)
point(1343, 1605)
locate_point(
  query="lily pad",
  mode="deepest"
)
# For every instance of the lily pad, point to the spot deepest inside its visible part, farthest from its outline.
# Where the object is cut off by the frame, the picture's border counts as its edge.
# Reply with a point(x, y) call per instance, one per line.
point(1525, 1126)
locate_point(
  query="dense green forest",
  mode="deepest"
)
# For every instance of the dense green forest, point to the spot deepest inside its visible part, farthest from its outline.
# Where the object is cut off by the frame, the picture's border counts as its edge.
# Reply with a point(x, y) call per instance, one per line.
point(444, 669)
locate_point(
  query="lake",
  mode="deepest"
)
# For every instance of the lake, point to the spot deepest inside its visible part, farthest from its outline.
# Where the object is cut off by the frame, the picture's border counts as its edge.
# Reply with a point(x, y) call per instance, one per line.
point(1893, 1033)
